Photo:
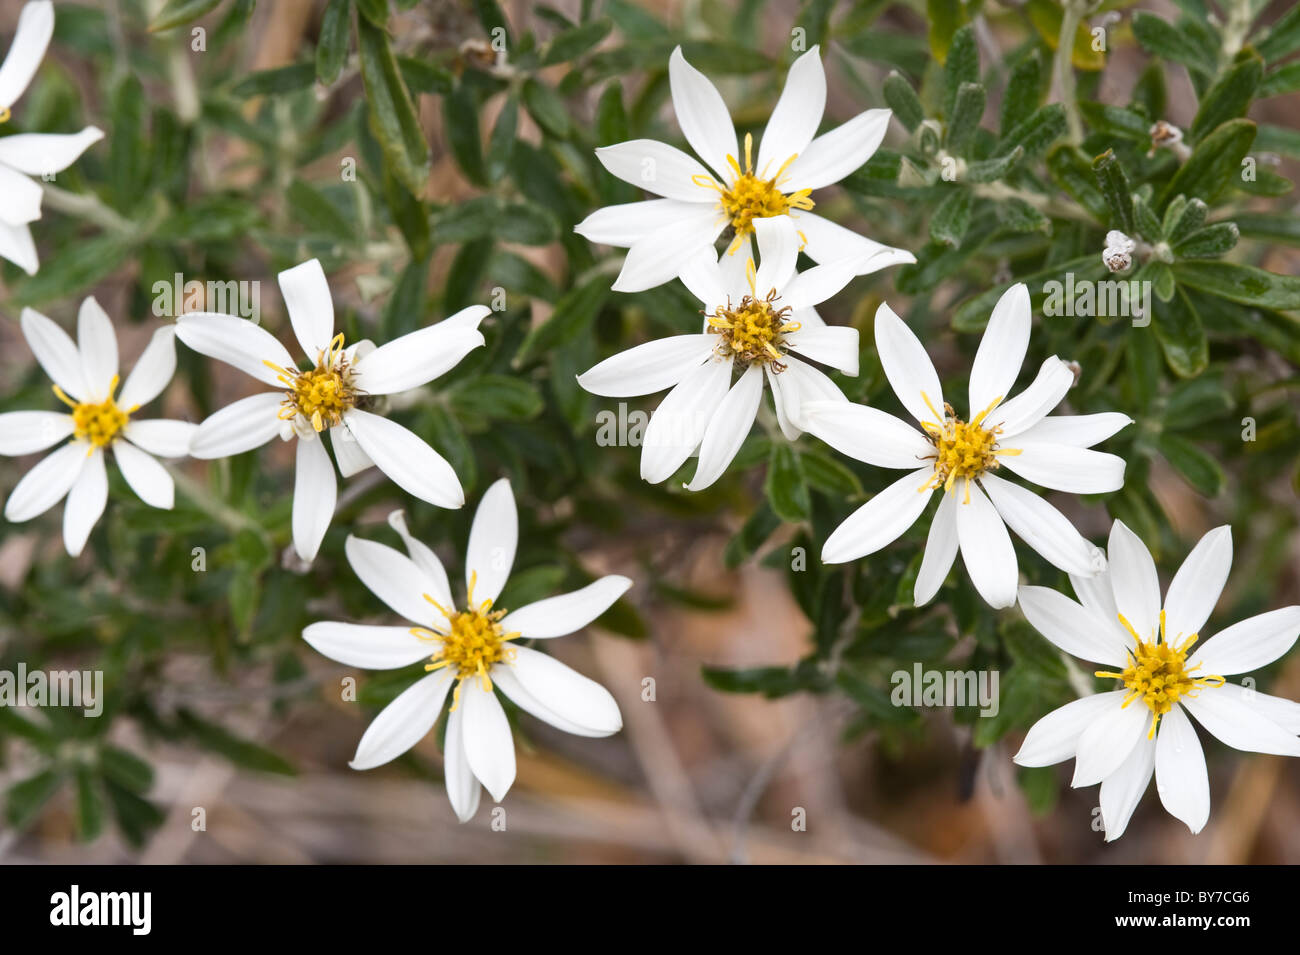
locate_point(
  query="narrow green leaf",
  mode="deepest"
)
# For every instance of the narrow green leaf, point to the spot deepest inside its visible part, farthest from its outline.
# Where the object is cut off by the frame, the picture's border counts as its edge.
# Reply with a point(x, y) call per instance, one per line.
point(332, 48)
point(1214, 162)
point(786, 489)
point(902, 99)
point(1241, 283)
point(175, 13)
point(1114, 187)
point(1228, 98)
point(393, 119)
point(1198, 468)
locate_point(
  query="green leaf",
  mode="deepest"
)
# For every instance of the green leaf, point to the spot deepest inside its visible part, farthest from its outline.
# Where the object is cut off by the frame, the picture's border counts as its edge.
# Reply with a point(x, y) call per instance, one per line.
point(242, 752)
point(750, 537)
point(1229, 97)
point(1183, 218)
point(1282, 38)
point(1196, 402)
point(393, 119)
point(1114, 187)
point(1269, 226)
point(179, 12)
point(497, 396)
point(501, 144)
point(1241, 283)
point(1213, 163)
point(902, 99)
point(1116, 121)
point(460, 112)
point(1181, 335)
point(310, 208)
point(1022, 94)
point(25, 800)
point(546, 106)
point(125, 769)
point(945, 18)
point(374, 11)
point(772, 682)
point(135, 816)
point(1199, 469)
point(951, 220)
point(991, 170)
point(1208, 243)
point(282, 79)
point(1043, 127)
point(786, 489)
point(962, 65)
point(828, 475)
point(73, 269)
point(572, 44)
point(332, 48)
point(1145, 221)
point(965, 118)
point(1163, 39)
point(574, 313)
point(1071, 170)
point(90, 806)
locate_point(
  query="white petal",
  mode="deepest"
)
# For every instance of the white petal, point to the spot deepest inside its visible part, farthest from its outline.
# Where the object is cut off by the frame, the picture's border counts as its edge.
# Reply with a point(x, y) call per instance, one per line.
point(1063, 467)
point(1253, 643)
point(493, 539)
point(424, 558)
point(678, 424)
point(463, 789)
point(778, 250)
point(986, 548)
point(670, 249)
point(85, 502)
point(866, 434)
point(910, 372)
point(394, 578)
point(832, 156)
point(469, 317)
point(1054, 738)
point(22, 197)
point(45, 484)
point(728, 428)
point(567, 613)
point(1135, 582)
point(153, 370)
point(1242, 726)
point(626, 224)
point(17, 246)
point(23, 432)
point(645, 369)
point(788, 427)
point(1073, 628)
point(880, 521)
point(408, 461)
point(55, 352)
point(827, 241)
point(240, 426)
point(347, 452)
point(1002, 349)
point(1033, 404)
point(237, 342)
point(797, 115)
point(703, 277)
point(507, 681)
point(1196, 587)
point(314, 494)
point(31, 38)
point(1181, 777)
point(821, 282)
point(404, 722)
point(1285, 713)
point(832, 345)
point(801, 383)
point(368, 647)
point(311, 308)
point(940, 551)
point(1107, 742)
point(701, 113)
point(489, 748)
point(1043, 527)
point(164, 438)
point(43, 154)
point(1082, 431)
point(97, 344)
point(1122, 790)
point(149, 479)
point(415, 359)
point(565, 692)
point(659, 168)
point(1096, 595)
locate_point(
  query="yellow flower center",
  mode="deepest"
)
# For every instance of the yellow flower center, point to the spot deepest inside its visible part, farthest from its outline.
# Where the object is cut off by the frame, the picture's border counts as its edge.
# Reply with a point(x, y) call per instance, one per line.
point(5, 115)
point(97, 422)
point(322, 394)
point(471, 643)
point(754, 330)
point(962, 449)
point(754, 195)
point(1158, 673)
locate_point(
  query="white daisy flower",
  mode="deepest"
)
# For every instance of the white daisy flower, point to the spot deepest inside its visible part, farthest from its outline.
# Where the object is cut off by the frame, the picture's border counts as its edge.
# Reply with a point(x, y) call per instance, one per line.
point(85, 378)
point(330, 395)
point(29, 154)
point(475, 649)
point(1121, 737)
point(959, 457)
point(756, 321)
point(698, 205)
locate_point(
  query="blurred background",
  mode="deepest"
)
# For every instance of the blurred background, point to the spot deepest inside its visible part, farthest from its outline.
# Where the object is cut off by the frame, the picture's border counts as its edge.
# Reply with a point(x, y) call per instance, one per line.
point(215, 691)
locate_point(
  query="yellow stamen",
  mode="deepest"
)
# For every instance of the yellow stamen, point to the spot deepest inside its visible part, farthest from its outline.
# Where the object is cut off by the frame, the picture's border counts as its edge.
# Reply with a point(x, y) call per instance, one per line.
point(753, 196)
point(321, 395)
point(754, 330)
point(98, 423)
point(1158, 674)
point(5, 115)
point(962, 450)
